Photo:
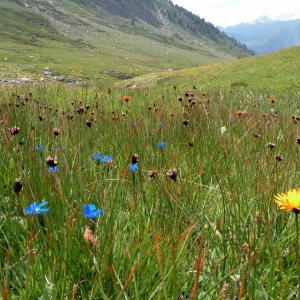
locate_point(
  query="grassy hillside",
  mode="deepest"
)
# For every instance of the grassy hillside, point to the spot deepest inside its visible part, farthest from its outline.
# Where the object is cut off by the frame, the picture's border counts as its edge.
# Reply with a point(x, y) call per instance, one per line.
point(90, 39)
point(277, 71)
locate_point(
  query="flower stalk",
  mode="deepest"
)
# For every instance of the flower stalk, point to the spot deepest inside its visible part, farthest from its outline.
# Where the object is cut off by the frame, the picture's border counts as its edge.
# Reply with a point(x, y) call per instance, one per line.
point(297, 239)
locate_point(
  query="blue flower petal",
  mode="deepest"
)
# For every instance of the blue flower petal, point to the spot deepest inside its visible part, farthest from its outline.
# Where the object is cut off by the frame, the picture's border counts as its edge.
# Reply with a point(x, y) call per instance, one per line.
point(35, 209)
point(97, 156)
point(30, 209)
point(91, 212)
point(106, 159)
point(161, 144)
point(38, 148)
point(52, 169)
point(133, 167)
point(40, 208)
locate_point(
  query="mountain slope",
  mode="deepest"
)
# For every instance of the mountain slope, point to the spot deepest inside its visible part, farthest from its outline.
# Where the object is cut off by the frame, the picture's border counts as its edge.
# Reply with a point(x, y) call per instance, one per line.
point(97, 38)
point(275, 71)
point(265, 35)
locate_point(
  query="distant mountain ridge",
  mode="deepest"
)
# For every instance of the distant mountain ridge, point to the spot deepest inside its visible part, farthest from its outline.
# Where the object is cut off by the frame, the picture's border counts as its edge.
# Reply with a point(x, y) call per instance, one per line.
point(266, 35)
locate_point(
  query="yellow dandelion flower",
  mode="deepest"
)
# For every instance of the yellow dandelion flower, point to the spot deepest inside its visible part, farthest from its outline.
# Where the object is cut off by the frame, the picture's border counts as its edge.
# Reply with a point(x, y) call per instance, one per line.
point(289, 201)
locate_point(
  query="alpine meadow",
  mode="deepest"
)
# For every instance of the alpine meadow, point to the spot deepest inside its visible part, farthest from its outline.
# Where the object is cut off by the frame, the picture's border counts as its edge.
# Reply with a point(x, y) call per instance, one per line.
point(145, 155)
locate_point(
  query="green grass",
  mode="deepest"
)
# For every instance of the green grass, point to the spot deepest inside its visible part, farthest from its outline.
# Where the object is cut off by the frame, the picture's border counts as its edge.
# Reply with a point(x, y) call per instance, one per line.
point(275, 71)
point(213, 233)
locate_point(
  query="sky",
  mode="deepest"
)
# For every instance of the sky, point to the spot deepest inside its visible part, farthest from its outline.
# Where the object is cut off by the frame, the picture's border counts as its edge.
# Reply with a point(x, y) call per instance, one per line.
point(230, 12)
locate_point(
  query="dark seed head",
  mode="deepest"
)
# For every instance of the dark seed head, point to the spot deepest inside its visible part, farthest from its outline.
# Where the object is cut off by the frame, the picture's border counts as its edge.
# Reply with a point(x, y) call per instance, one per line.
point(17, 186)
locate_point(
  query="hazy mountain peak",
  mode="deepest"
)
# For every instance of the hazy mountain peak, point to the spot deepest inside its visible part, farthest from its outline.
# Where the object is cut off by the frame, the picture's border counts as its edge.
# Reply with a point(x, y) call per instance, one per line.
point(262, 19)
point(265, 34)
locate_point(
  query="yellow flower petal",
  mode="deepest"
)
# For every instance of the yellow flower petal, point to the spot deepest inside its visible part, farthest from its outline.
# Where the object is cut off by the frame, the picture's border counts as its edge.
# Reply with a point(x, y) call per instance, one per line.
point(289, 201)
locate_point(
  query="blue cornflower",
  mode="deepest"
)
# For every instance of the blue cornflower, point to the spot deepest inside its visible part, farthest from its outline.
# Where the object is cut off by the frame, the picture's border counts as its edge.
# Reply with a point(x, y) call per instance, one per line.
point(53, 169)
point(97, 156)
point(106, 159)
point(36, 209)
point(91, 212)
point(133, 167)
point(160, 144)
point(38, 148)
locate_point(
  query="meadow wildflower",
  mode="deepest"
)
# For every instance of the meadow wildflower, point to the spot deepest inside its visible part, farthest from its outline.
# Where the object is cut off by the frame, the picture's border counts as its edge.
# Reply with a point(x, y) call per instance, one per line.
point(36, 209)
point(152, 174)
point(272, 99)
point(89, 236)
point(97, 156)
point(296, 118)
point(55, 131)
point(53, 169)
point(126, 98)
point(17, 188)
point(106, 159)
point(14, 130)
point(134, 159)
point(190, 143)
point(271, 145)
point(240, 113)
point(172, 173)
point(186, 93)
point(133, 167)
point(192, 102)
point(161, 145)
point(80, 110)
point(289, 201)
point(38, 148)
point(51, 162)
point(90, 211)
point(223, 129)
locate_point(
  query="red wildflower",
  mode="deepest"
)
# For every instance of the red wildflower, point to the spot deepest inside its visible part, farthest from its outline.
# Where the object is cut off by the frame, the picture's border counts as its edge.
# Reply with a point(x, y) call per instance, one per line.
point(272, 99)
point(240, 113)
point(126, 98)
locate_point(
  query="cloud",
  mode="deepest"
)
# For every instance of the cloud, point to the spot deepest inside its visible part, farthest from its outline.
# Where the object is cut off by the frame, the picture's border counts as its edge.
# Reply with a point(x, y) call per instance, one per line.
point(224, 13)
point(222, 4)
